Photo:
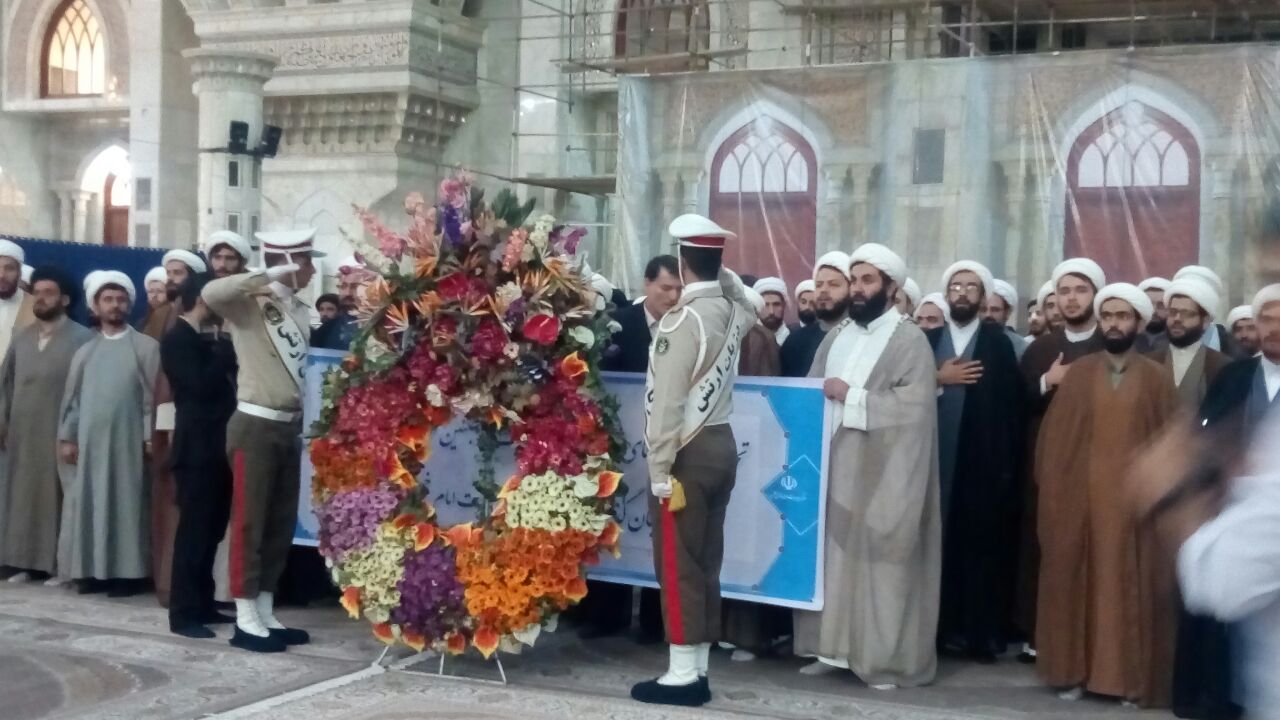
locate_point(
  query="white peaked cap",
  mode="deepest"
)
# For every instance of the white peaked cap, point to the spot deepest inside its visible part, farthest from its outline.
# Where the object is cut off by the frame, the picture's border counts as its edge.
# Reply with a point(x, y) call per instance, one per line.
point(1006, 290)
point(27, 272)
point(694, 230)
point(912, 289)
point(99, 279)
point(289, 242)
point(1238, 313)
point(1080, 266)
point(233, 240)
point(805, 286)
point(977, 268)
point(1205, 274)
point(1128, 293)
point(350, 262)
point(186, 257)
point(882, 258)
point(836, 260)
point(1154, 283)
point(935, 299)
point(771, 284)
point(1196, 289)
point(1046, 290)
point(1265, 297)
point(156, 274)
point(757, 300)
point(11, 249)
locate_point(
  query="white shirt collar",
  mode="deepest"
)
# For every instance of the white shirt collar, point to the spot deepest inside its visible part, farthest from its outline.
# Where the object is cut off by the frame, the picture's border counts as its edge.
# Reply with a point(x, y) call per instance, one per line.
point(118, 335)
point(13, 300)
point(701, 285)
point(960, 336)
point(1187, 351)
point(1076, 337)
point(889, 318)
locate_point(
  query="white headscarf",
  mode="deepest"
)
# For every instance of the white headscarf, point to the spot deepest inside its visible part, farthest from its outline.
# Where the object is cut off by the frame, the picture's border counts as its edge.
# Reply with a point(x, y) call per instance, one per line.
point(977, 268)
point(186, 257)
point(836, 260)
point(1080, 266)
point(99, 279)
point(1199, 292)
point(934, 299)
point(881, 258)
point(1128, 293)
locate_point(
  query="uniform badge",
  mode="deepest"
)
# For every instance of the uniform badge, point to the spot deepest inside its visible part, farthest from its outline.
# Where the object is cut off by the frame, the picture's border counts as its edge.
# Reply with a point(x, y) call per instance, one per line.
point(662, 345)
point(272, 313)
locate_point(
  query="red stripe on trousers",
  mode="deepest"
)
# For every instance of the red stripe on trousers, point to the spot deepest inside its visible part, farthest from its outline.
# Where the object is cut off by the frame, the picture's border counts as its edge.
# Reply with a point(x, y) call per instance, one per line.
point(671, 576)
point(235, 560)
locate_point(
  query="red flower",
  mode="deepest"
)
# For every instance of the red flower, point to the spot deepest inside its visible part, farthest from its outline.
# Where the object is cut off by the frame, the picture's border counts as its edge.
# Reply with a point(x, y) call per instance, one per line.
point(444, 330)
point(453, 286)
point(488, 340)
point(542, 328)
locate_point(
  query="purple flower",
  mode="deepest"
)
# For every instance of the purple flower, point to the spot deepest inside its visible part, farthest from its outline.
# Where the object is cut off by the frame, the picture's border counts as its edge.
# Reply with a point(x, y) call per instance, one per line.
point(349, 520)
point(451, 225)
point(431, 597)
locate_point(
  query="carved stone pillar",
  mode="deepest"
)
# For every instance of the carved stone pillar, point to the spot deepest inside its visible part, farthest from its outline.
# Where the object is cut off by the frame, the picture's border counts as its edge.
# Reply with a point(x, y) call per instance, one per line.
point(228, 85)
point(829, 231)
point(1219, 245)
point(862, 228)
point(66, 210)
point(80, 216)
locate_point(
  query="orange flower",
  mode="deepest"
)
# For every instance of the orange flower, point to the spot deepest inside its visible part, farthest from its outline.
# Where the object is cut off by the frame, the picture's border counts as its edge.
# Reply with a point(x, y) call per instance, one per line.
point(573, 366)
point(576, 589)
point(397, 319)
point(414, 640)
point(609, 480)
point(486, 641)
point(459, 535)
point(512, 483)
point(497, 417)
point(384, 632)
point(456, 643)
point(424, 535)
point(351, 601)
point(403, 522)
point(612, 531)
point(425, 266)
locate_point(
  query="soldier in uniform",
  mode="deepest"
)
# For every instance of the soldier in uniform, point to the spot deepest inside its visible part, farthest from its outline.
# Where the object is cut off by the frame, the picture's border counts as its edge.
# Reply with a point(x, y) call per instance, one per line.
point(693, 362)
point(269, 329)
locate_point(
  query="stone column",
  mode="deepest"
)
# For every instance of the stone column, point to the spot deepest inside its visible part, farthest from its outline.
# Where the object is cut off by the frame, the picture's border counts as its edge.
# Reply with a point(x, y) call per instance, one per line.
point(66, 208)
point(1015, 175)
point(229, 86)
point(1218, 247)
point(861, 229)
point(80, 216)
point(828, 228)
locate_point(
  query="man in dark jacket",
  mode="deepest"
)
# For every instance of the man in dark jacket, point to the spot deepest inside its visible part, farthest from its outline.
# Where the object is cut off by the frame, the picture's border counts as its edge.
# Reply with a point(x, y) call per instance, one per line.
point(201, 371)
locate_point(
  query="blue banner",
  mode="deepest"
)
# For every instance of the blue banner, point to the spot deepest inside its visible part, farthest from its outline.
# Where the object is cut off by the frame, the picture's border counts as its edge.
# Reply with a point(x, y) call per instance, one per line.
point(776, 517)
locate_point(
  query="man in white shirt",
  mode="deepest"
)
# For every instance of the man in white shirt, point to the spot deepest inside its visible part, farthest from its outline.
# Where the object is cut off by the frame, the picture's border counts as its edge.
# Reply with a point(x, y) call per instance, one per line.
point(15, 305)
point(774, 292)
point(1189, 312)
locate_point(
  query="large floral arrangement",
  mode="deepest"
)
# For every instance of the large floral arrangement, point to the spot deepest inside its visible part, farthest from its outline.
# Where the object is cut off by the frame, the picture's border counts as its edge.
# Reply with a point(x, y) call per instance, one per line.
point(468, 314)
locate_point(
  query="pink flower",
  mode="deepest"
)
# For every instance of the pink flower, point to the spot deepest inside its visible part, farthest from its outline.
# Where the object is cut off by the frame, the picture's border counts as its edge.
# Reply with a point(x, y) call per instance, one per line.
point(453, 286)
point(542, 328)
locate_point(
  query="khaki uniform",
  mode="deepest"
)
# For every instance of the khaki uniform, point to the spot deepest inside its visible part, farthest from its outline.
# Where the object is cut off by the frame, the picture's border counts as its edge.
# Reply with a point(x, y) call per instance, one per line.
point(702, 454)
point(269, 329)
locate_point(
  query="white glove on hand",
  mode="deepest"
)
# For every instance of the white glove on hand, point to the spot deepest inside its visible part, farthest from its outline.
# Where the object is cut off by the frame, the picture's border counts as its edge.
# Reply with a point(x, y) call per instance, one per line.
point(276, 273)
point(661, 489)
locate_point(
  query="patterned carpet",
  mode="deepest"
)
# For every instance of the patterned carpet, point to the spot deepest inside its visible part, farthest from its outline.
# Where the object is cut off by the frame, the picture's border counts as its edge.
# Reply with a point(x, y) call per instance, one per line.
point(64, 655)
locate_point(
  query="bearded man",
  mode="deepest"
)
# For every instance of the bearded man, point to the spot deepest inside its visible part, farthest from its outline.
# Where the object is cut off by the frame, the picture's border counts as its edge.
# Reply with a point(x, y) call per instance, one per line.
point(804, 303)
point(1047, 301)
point(998, 307)
point(1244, 328)
point(831, 303)
point(1155, 335)
point(1106, 614)
point(932, 312)
point(774, 292)
point(228, 252)
point(1192, 366)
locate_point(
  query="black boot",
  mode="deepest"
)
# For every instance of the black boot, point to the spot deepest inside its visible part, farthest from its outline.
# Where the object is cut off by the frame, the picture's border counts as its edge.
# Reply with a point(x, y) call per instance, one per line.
point(253, 643)
point(290, 636)
point(695, 694)
point(192, 630)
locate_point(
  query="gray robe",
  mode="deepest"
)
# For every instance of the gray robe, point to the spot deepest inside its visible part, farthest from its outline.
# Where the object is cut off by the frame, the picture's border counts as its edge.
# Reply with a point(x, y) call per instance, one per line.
point(883, 545)
point(31, 382)
point(107, 411)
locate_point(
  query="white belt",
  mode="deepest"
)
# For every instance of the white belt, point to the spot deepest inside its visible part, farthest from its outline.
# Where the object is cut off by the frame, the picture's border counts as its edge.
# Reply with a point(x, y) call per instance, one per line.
point(267, 413)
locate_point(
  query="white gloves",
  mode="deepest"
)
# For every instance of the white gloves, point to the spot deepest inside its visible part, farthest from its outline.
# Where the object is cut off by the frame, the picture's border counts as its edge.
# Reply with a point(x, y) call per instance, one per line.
point(277, 273)
point(661, 489)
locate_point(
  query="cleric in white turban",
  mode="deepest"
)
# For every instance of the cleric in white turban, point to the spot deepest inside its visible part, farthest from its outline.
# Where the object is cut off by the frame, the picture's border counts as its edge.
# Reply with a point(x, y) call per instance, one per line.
point(932, 312)
point(17, 307)
point(1189, 304)
point(804, 301)
point(1074, 288)
point(909, 297)
point(830, 305)
point(1240, 321)
point(1216, 336)
point(774, 292)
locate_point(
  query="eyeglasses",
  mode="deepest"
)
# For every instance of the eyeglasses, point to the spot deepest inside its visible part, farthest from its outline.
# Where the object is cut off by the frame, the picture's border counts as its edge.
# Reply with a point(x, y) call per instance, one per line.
point(966, 288)
point(1175, 313)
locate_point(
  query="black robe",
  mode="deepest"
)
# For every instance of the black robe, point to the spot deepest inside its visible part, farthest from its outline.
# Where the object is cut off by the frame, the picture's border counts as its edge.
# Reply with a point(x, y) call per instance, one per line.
point(980, 508)
point(1202, 676)
point(800, 348)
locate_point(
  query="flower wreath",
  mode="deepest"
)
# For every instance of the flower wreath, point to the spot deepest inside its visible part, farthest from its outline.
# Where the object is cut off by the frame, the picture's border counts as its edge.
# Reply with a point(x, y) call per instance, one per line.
point(468, 314)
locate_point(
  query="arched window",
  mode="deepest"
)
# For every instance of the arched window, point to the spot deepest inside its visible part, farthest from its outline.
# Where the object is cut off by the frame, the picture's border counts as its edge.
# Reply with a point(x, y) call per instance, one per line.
point(662, 27)
point(75, 54)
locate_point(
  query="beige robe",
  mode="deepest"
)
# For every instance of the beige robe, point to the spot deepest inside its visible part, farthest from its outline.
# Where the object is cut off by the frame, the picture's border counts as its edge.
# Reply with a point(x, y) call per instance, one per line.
point(883, 540)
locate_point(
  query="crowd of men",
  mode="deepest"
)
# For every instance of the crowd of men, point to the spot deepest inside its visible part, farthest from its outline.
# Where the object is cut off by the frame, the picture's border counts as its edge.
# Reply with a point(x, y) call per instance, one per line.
point(128, 456)
point(979, 478)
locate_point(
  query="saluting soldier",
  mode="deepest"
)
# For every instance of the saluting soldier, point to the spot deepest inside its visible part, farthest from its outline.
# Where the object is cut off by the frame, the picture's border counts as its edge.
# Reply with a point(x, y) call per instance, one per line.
point(693, 458)
point(269, 329)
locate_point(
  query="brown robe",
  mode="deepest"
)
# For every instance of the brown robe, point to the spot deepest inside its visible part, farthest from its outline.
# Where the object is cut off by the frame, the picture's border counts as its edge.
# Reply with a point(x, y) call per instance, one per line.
point(164, 499)
point(759, 353)
point(1107, 610)
point(1036, 361)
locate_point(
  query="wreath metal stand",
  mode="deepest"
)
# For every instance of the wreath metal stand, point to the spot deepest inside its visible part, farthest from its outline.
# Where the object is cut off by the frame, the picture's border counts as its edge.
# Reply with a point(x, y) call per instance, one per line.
point(405, 665)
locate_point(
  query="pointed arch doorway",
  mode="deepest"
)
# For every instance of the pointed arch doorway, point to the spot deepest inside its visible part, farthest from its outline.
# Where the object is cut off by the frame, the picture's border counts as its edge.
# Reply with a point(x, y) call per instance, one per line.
point(764, 181)
point(1133, 194)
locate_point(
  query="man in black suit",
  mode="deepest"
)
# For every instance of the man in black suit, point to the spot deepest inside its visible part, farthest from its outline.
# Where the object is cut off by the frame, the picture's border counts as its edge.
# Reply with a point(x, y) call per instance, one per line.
point(201, 371)
point(607, 607)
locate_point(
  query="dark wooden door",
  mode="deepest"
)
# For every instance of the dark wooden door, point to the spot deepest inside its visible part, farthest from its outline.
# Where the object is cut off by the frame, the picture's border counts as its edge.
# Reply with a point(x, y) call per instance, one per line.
point(115, 214)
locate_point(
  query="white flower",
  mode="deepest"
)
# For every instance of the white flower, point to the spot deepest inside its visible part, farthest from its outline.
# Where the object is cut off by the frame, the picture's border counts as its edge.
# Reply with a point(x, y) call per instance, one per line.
point(435, 396)
point(509, 293)
point(511, 350)
point(582, 335)
point(614, 326)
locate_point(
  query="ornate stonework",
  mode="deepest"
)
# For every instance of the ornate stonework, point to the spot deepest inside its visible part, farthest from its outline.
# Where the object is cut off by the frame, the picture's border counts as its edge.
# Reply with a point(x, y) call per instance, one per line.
point(366, 50)
point(382, 122)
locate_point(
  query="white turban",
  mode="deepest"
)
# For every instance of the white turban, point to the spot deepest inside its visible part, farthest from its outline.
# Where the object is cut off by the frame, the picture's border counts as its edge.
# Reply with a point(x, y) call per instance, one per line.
point(1238, 313)
point(1196, 289)
point(1128, 293)
point(881, 258)
point(27, 272)
point(186, 257)
point(1265, 297)
point(156, 274)
point(1046, 290)
point(11, 249)
point(835, 260)
point(771, 284)
point(99, 279)
point(757, 300)
point(1154, 283)
point(804, 287)
point(988, 280)
point(1009, 293)
point(1205, 274)
point(935, 299)
point(912, 289)
point(235, 241)
point(1080, 266)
